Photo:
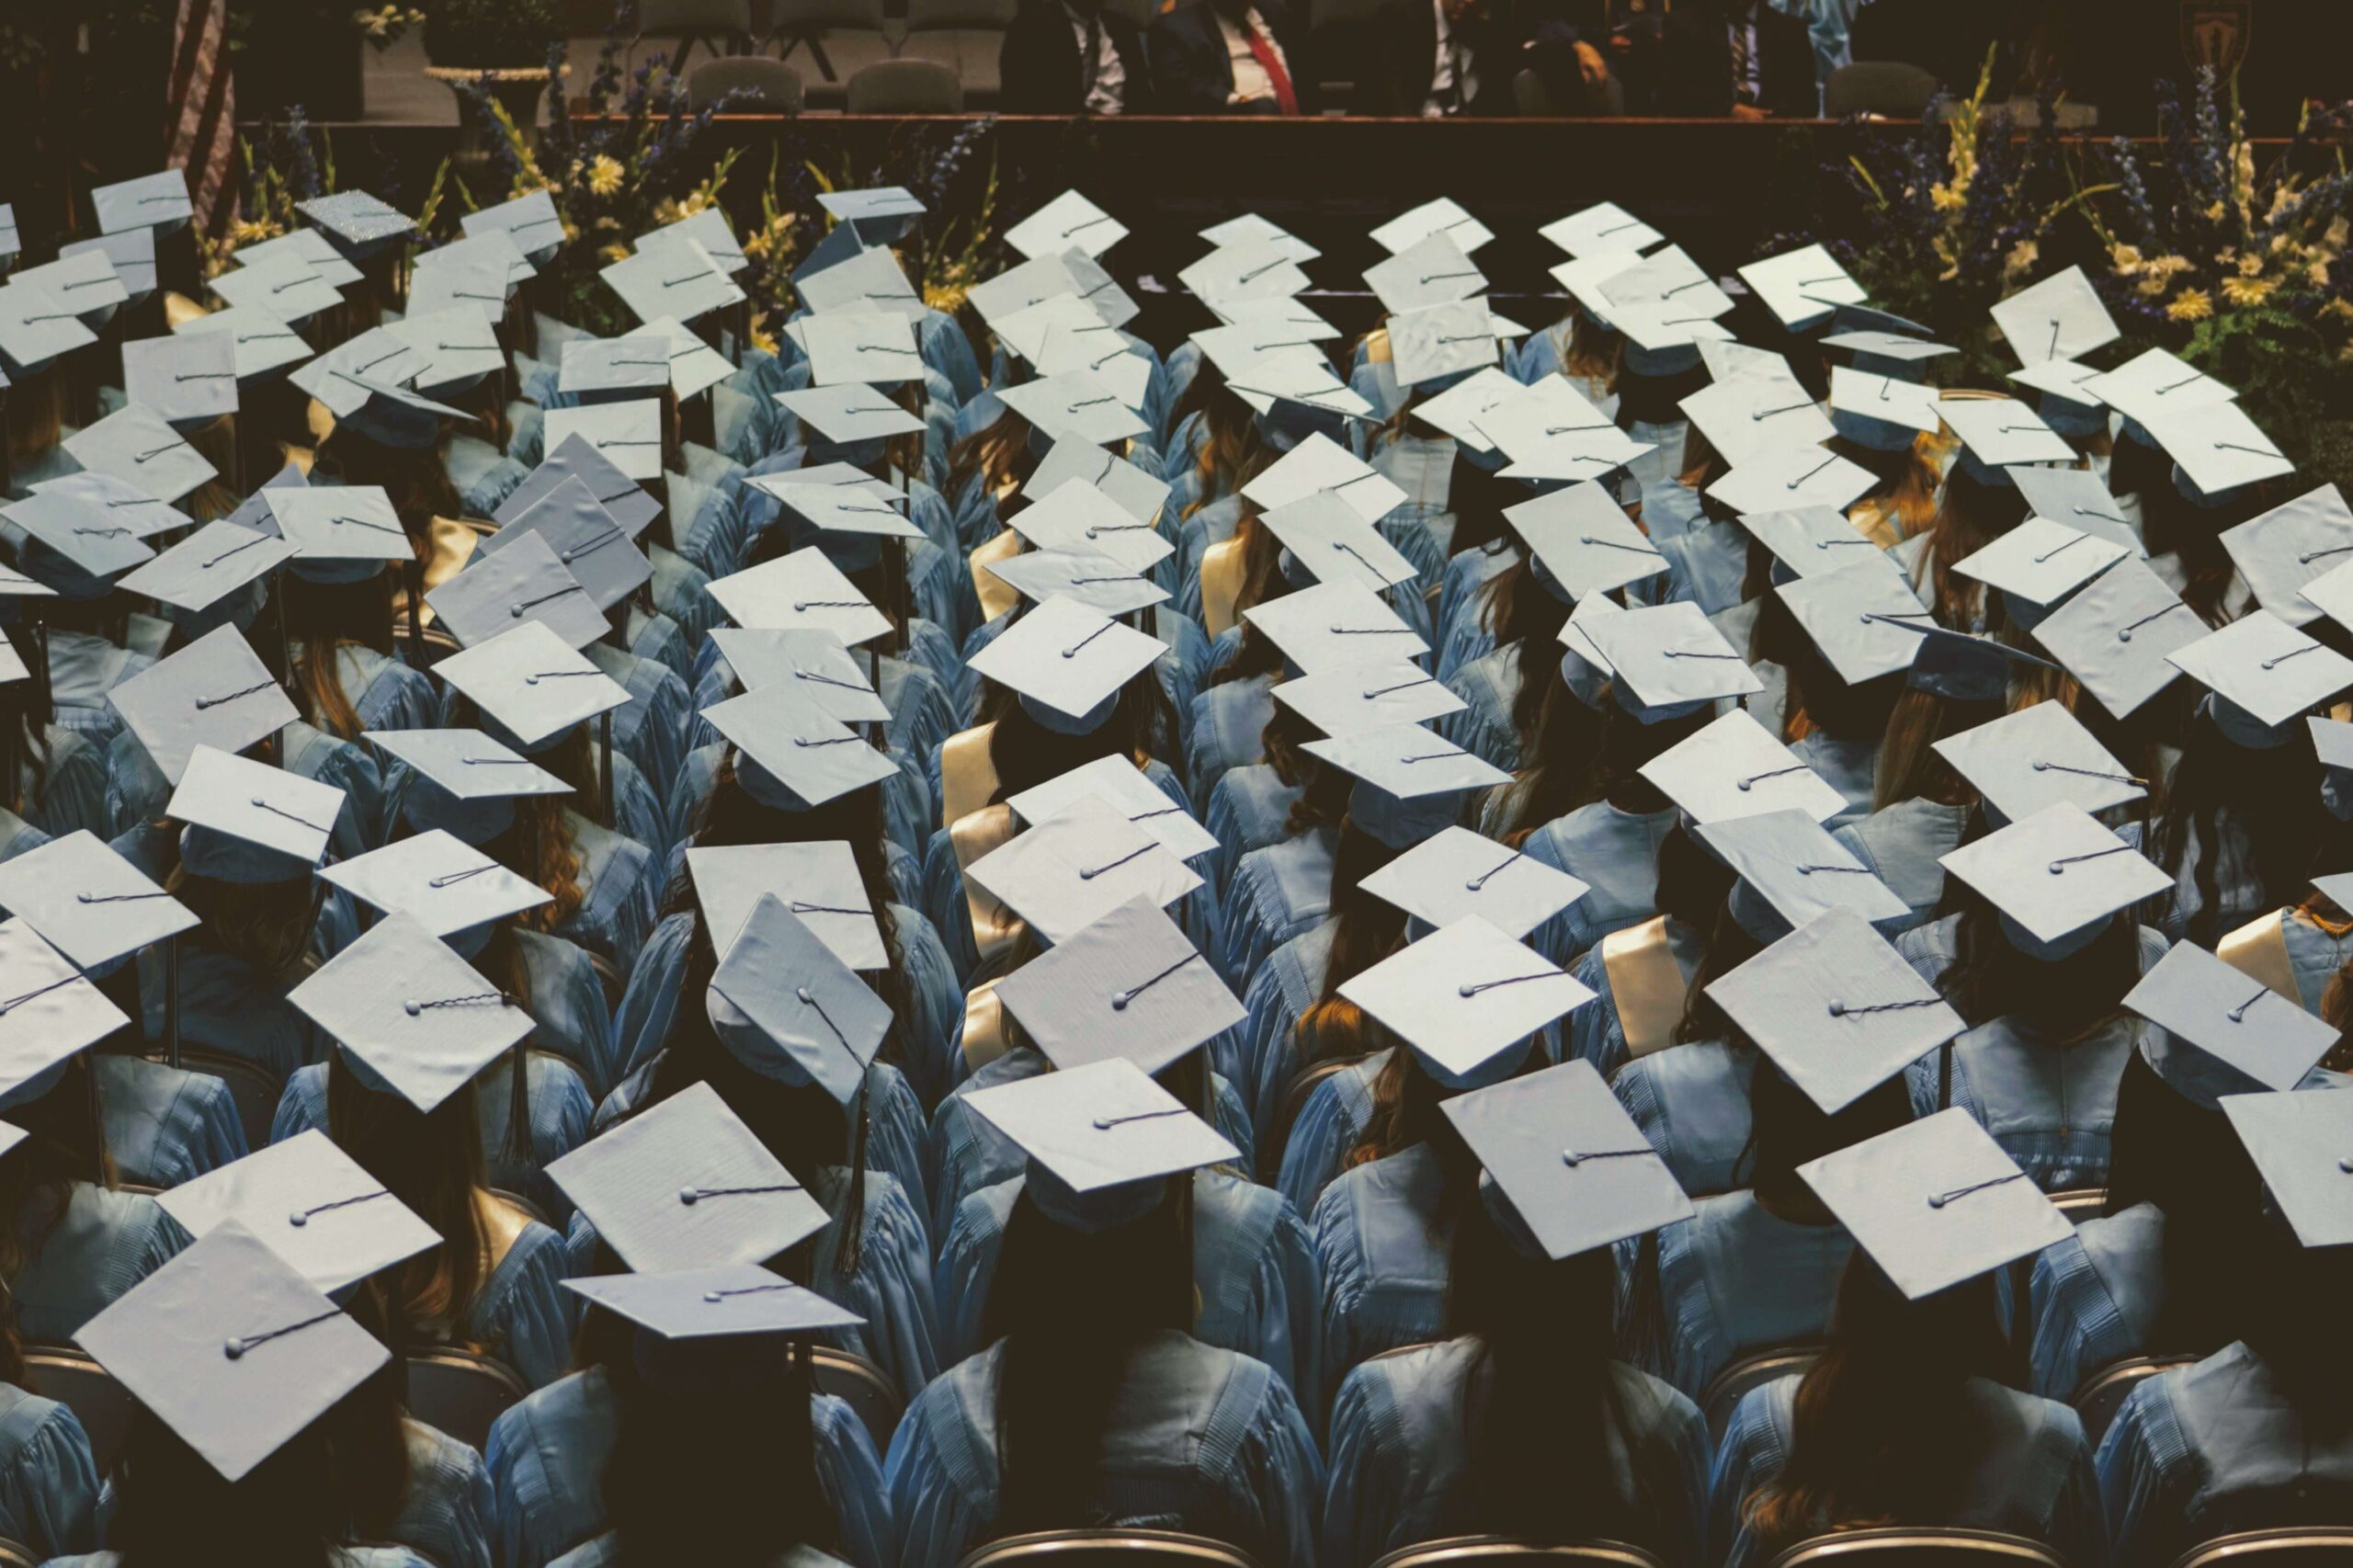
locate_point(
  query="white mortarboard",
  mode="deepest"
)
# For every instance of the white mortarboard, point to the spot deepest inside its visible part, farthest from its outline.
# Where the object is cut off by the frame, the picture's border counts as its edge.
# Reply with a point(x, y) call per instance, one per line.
point(2118, 635)
point(312, 246)
point(627, 433)
point(1067, 658)
point(687, 1185)
point(695, 366)
point(2290, 547)
point(1546, 447)
point(2299, 1142)
point(1432, 271)
point(139, 447)
point(873, 348)
point(708, 228)
point(2059, 318)
point(468, 765)
point(476, 282)
point(1863, 618)
point(439, 881)
point(1251, 226)
point(49, 1011)
point(357, 221)
point(2039, 563)
point(1864, 394)
point(1073, 405)
point(1325, 536)
point(121, 502)
point(1319, 465)
point(12, 244)
point(389, 415)
point(818, 883)
point(1247, 270)
point(1299, 383)
point(1791, 871)
point(846, 414)
point(587, 542)
point(347, 375)
point(2155, 382)
point(1463, 995)
point(816, 662)
point(1728, 362)
point(2056, 873)
point(787, 1007)
point(206, 567)
point(1585, 541)
point(1079, 516)
point(1877, 351)
point(130, 254)
point(147, 202)
point(602, 367)
point(1735, 768)
point(732, 1303)
point(418, 1019)
point(802, 590)
point(1444, 215)
point(339, 523)
point(2035, 757)
point(2218, 446)
point(1779, 479)
point(1669, 657)
point(1068, 871)
point(1139, 494)
point(88, 901)
point(1068, 221)
point(2077, 498)
point(1130, 986)
point(1656, 325)
point(1437, 341)
point(1029, 330)
point(2232, 1017)
point(189, 380)
point(531, 221)
point(1802, 286)
point(1752, 414)
point(530, 683)
point(2266, 667)
point(1104, 1133)
point(1669, 282)
point(879, 214)
point(36, 326)
point(1837, 1007)
point(1117, 782)
point(2000, 432)
point(1407, 762)
point(79, 530)
point(231, 1349)
point(1457, 872)
point(1459, 410)
point(2066, 381)
point(578, 458)
point(1348, 700)
point(1101, 584)
point(1935, 1202)
point(216, 691)
point(1572, 1163)
point(525, 581)
point(1333, 625)
point(868, 280)
point(1599, 229)
point(311, 1204)
point(1807, 541)
point(1002, 300)
point(87, 284)
point(791, 740)
point(680, 279)
point(283, 285)
point(290, 819)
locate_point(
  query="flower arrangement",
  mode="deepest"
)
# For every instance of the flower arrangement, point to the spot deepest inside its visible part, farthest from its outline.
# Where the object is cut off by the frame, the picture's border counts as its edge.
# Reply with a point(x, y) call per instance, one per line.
point(491, 34)
point(385, 26)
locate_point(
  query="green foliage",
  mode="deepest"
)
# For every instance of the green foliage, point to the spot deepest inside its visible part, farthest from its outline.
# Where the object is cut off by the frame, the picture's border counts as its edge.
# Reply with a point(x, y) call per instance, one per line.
point(491, 34)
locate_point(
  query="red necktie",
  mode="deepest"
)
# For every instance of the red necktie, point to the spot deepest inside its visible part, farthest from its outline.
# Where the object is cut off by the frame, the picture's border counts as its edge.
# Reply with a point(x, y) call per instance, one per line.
point(1286, 101)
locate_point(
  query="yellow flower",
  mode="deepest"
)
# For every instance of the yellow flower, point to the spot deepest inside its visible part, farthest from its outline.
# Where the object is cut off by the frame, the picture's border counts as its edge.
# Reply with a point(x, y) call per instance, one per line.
point(2023, 255)
point(2341, 309)
point(755, 245)
point(2248, 290)
point(603, 175)
point(2190, 305)
point(2317, 271)
point(667, 212)
point(1945, 198)
point(2151, 286)
point(2125, 259)
point(2337, 233)
point(763, 335)
point(611, 254)
point(2213, 211)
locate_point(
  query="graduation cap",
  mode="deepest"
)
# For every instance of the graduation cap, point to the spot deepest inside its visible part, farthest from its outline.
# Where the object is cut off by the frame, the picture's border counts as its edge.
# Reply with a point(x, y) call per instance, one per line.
point(358, 224)
point(802, 590)
point(1066, 873)
point(706, 227)
point(2154, 383)
point(1327, 539)
point(792, 755)
point(1440, 341)
point(1117, 782)
point(88, 283)
point(2000, 433)
point(1251, 226)
point(849, 414)
point(872, 348)
point(529, 683)
point(1334, 625)
point(1884, 413)
point(1461, 409)
point(1295, 393)
point(1100, 1140)
point(2035, 757)
point(1379, 693)
point(788, 1009)
point(341, 533)
point(438, 882)
point(603, 368)
point(1433, 270)
point(629, 434)
point(283, 285)
point(1444, 215)
point(1782, 478)
point(1572, 1167)
point(1803, 286)
point(48, 1012)
point(1735, 768)
point(1935, 1202)
point(216, 691)
point(1837, 1009)
point(36, 326)
point(814, 662)
point(1320, 466)
point(1140, 495)
point(2262, 1038)
point(1807, 541)
point(230, 1346)
point(1068, 663)
point(1410, 781)
point(190, 379)
point(732, 1303)
point(587, 540)
point(578, 458)
point(2118, 634)
point(414, 1017)
point(464, 782)
point(1073, 405)
point(389, 415)
point(2068, 402)
point(1070, 221)
point(687, 1185)
point(1456, 873)
point(1463, 997)
point(1098, 582)
point(818, 883)
point(2038, 564)
point(1584, 541)
point(2059, 318)
point(1863, 619)
point(248, 822)
point(1247, 269)
point(880, 214)
point(94, 543)
point(678, 280)
point(156, 200)
point(2299, 1142)
point(1600, 229)
point(1129, 986)
point(1078, 517)
point(311, 1204)
point(1791, 871)
point(839, 274)
point(530, 221)
point(2218, 448)
point(1669, 660)
point(88, 901)
point(1753, 414)
point(2075, 498)
point(497, 592)
point(2056, 877)
point(2265, 667)
point(139, 447)
point(2291, 546)
point(695, 366)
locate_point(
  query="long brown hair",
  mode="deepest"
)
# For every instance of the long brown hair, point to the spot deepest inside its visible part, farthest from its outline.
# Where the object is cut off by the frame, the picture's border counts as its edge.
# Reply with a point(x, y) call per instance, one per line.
point(1905, 494)
point(1232, 454)
point(25, 713)
point(432, 1161)
point(1142, 726)
point(1909, 767)
point(1972, 516)
point(992, 455)
point(267, 924)
point(63, 1145)
point(320, 618)
point(1365, 930)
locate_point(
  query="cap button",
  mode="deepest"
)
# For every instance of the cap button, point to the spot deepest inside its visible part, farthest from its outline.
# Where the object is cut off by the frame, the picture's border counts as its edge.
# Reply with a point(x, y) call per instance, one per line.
point(712, 1296)
point(1119, 1000)
point(2042, 767)
point(514, 610)
point(803, 994)
point(1837, 1009)
point(1937, 1202)
point(689, 1196)
point(412, 1008)
point(298, 1219)
point(234, 1348)
point(2346, 1165)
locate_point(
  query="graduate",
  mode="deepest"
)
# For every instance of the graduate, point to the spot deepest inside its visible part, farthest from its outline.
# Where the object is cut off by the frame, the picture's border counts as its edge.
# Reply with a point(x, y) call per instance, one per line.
point(48, 1483)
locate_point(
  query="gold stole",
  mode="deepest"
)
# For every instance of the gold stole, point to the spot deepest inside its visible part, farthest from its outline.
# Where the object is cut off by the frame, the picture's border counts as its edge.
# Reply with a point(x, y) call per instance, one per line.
point(967, 775)
point(975, 833)
point(1221, 586)
point(984, 1038)
point(2258, 949)
point(1645, 982)
point(1875, 523)
point(996, 595)
point(1376, 345)
point(454, 544)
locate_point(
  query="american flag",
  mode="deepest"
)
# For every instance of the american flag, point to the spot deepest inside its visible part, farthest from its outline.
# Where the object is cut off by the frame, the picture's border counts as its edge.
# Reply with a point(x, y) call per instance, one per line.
point(202, 109)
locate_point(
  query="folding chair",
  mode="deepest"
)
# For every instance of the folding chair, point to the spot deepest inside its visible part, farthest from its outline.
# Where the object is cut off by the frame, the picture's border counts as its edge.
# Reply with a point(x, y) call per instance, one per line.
point(461, 1393)
point(2104, 1393)
point(1908, 1548)
point(906, 86)
point(1725, 1389)
point(1502, 1551)
point(722, 26)
point(759, 86)
point(865, 1387)
point(809, 22)
point(1108, 1549)
point(2307, 1546)
point(103, 1406)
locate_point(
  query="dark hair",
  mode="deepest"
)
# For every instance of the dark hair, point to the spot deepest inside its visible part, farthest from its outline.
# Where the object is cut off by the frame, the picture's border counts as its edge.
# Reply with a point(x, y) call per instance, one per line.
point(991, 455)
point(2066, 1000)
point(1142, 726)
point(1521, 614)
point(1787, 1128)
point(318, 618)
point(63, 1145)
point(2169, 1151)
point(1909, 767)
point(1556, 771)
point(2250, 813)
point(25, 713)
point(1972, 516)
point(1366, 929)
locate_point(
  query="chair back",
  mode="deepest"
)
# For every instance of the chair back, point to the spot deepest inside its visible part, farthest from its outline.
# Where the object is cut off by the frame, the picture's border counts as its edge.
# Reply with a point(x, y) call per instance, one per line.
point(253, 1089)
point(2104, 1393)
point(1724, 1392)
point(1502, 1551)
point(802, 18)
point(1892, 87)
point(1287, 1106)
point(906, 86)
point(694, 18)
point(462, 1392)
point(15, 1556)
point(1903, 1547)
point(1108, 1549)
point(761, 86)
point(865, 1387)
point(2081, 1203)
point(523, 1206)
point(2304, 1546)
point(103, 1406)
point(984, 16)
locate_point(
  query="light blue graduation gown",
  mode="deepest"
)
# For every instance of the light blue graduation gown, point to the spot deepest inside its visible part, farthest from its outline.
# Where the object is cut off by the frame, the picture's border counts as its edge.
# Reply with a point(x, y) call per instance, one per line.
point(164, 1126)
point(2096, 1295)
point(682, 593)
point(81, 670)
point(650, 729)
point(2049, 1104)
point(49, 1485)
point(337, 1557)
point(72, 795)
point(1615, 853)
point(1197, 1438)
point(1707, 564)
point(2216, 1447)
point(619, 878)
point(385, 693)
point(652, 635)
point(1253, 1265)
point(1276, 893)
point(1224, 731)
point(2034, 1477)
point(1401, 1456)
point(1458, 599)
point(449, 1515)
point(1284, 986)
point(103, 1245)
point(1595, 1032)
point(547, 1459)
point(483, 476)
point(1691, 1102)
point(1384, 1256)
point(1331, 1123)
point(228, 1006)
point(1902, 843)
point(1732, 1279)
point(1248, 809)
point(1488, 685)
point(1849, 766)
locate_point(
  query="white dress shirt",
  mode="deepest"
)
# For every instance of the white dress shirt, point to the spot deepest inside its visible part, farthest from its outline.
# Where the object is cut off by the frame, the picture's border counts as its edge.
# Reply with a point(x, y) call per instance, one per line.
point(1251, 83)
point(1110, 93)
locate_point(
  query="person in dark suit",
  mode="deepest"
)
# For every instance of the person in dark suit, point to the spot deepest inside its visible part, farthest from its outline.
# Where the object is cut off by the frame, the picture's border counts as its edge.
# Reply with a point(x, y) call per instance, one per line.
point(1073, 57)
point(1442, 58)
point(1232, 57)
point(1712, 59)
